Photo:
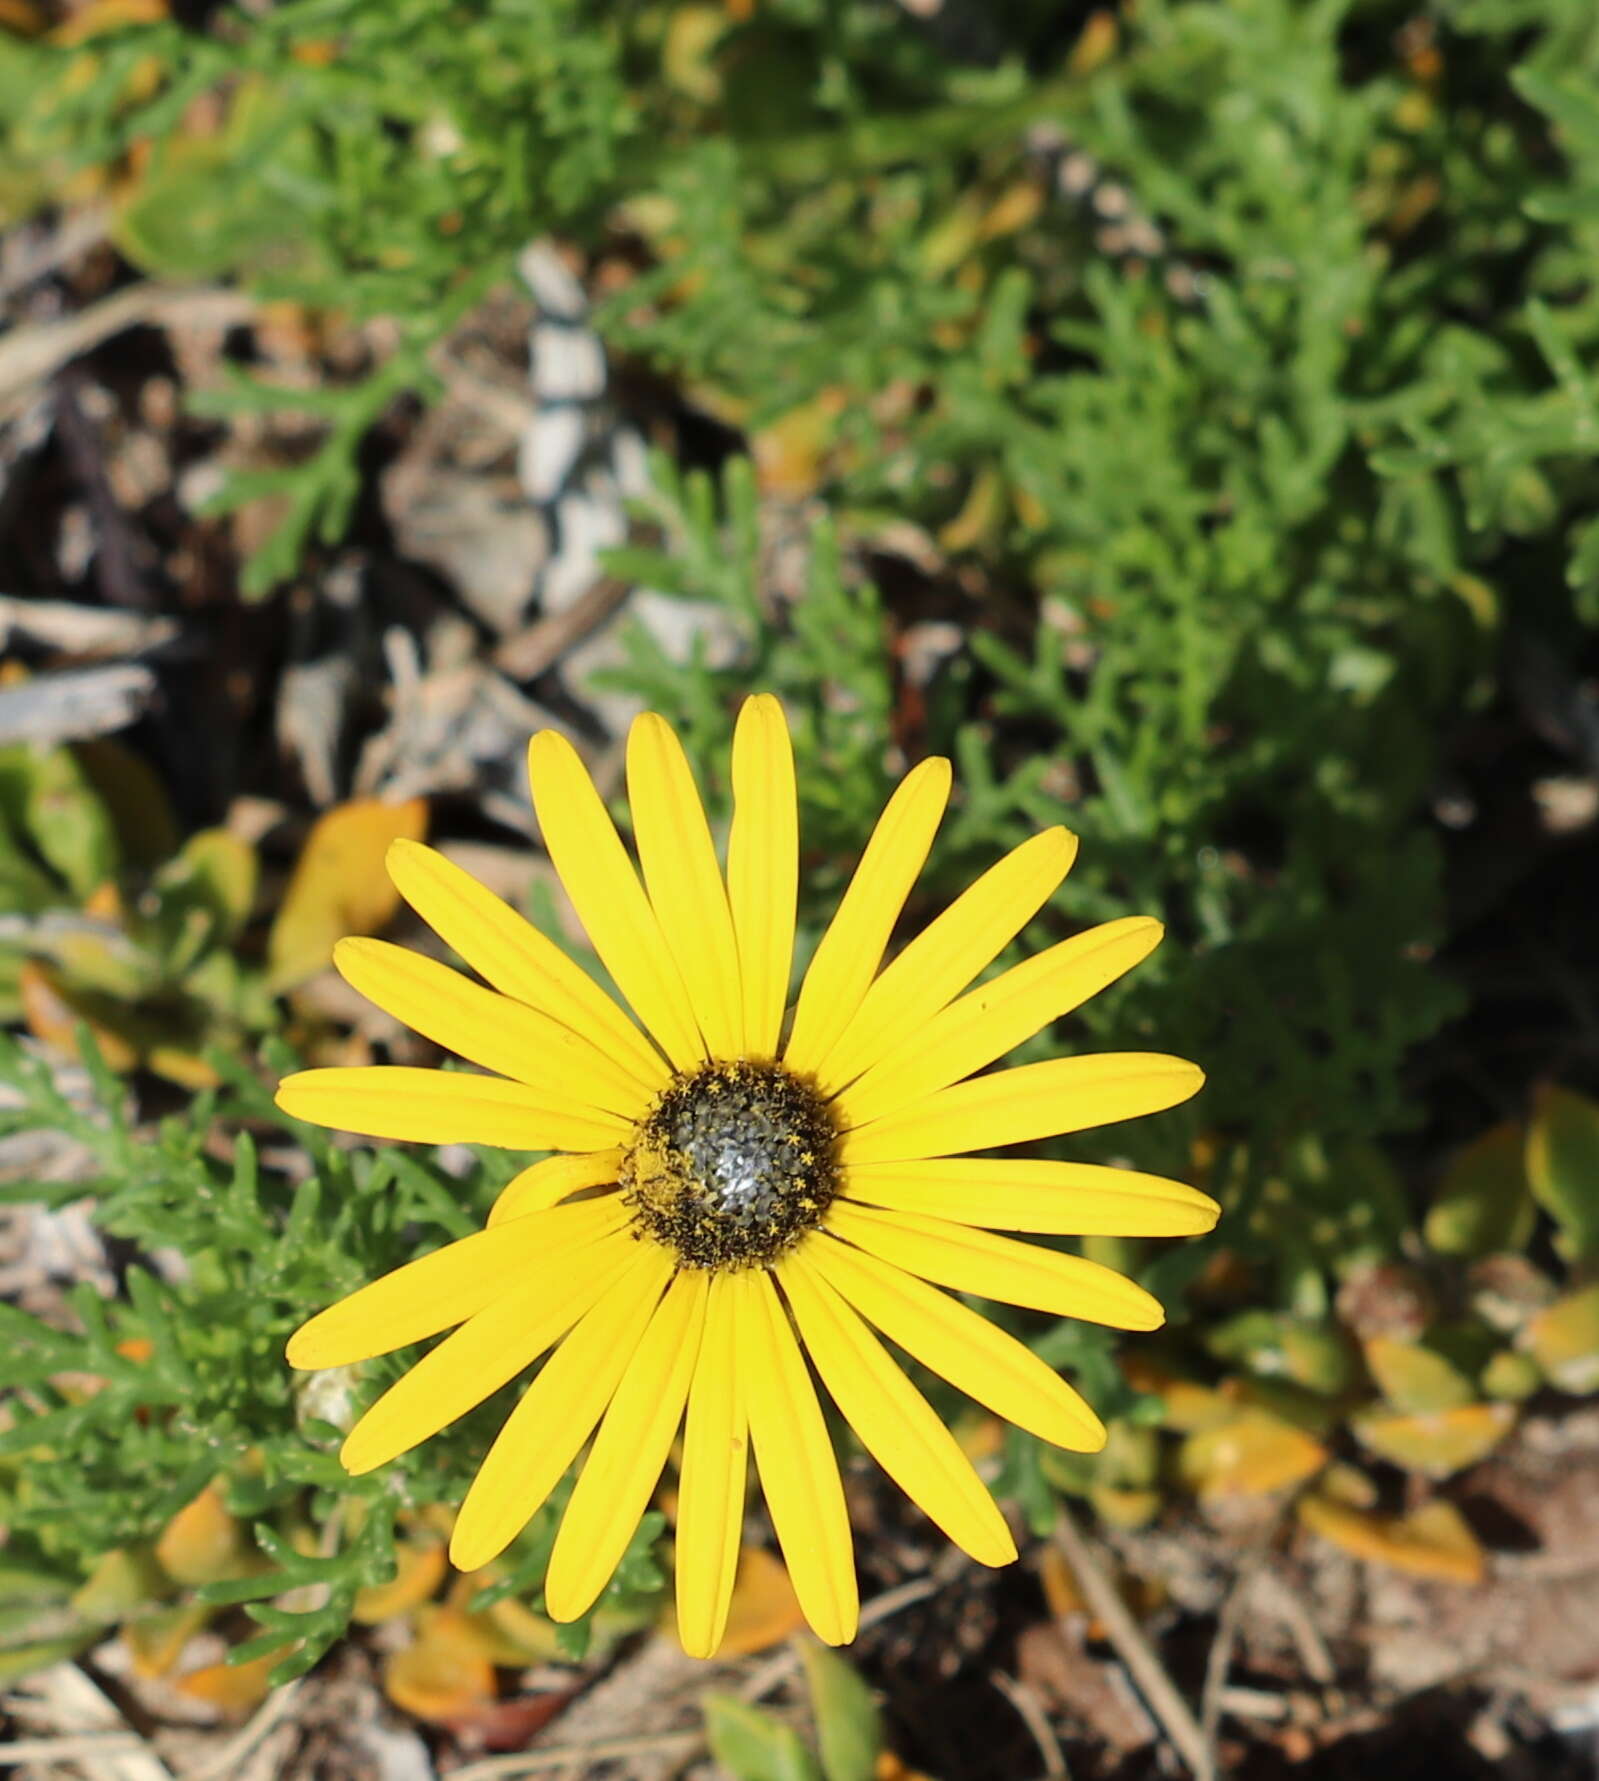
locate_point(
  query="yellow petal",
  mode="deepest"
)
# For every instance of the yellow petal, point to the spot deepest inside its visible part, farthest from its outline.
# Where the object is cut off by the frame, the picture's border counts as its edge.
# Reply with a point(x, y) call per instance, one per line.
point(549, 1182)
point(798, 1469)
point(895, 1422)
point(998, 1267)
point(1020, 1194)
point(1066, 1094)
point(996, 1017)
point(447, 1287)
point(948, 953)
point(490, 1030)
point(624, 1464)
point(959, 1345)
point(557, 1413)
point(443, 1107)
point(516, 958)
point(763, 867)
point(605, 891)
point(849, 952)
point(683, 879)
point(487, 1351)
point(710, 1511)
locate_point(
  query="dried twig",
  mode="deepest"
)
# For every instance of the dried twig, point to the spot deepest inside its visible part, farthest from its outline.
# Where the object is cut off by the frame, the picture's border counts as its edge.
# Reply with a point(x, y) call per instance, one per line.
point(526, 655)
point(1137, 1654)
point(532, 1762)
point(72, 1698)
point(1219, 1661)
point(74, 1749)
point(81, 631)
point(30, 356)
point(1031, 1713)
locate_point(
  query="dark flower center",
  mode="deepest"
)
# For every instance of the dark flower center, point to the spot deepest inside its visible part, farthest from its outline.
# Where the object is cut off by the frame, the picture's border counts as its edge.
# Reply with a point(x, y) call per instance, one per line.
point(733, 1164)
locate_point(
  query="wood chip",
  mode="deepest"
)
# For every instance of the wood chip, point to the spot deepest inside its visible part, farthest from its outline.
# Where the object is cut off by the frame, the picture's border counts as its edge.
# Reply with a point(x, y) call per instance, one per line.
point(81, 702)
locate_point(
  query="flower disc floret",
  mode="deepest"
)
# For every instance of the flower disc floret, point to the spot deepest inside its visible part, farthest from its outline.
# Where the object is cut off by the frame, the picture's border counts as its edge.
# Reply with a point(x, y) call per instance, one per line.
point(733, 1164)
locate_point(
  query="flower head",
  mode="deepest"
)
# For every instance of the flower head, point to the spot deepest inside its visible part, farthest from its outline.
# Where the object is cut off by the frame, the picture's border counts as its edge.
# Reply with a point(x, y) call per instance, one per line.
point(730, 1192)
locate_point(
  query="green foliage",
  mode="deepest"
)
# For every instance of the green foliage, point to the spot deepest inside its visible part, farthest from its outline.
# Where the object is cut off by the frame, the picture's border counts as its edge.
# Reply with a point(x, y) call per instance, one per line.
point(1229, 556)
point(106, 918)
point(189, 1384)
point(752, 1744)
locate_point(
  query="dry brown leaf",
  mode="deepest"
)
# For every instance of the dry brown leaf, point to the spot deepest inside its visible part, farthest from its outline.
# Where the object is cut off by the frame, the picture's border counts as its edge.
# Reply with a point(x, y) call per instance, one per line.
point(1432, 1541)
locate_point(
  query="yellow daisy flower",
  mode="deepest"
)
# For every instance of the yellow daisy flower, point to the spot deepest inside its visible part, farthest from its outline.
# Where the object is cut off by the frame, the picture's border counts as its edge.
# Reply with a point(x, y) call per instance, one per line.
point(729, 1196)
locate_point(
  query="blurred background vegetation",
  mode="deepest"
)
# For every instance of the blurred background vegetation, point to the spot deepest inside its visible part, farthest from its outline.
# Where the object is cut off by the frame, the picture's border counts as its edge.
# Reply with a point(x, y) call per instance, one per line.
point(1183, 414)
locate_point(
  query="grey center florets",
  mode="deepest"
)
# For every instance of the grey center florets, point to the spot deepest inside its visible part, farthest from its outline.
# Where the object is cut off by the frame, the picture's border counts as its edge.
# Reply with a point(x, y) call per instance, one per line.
point(733, 1164)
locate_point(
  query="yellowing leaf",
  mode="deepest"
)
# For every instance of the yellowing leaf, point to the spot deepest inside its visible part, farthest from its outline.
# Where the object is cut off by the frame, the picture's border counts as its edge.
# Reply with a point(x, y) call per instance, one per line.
point(232, 1688)
point(99, 16)
point(1414, 1378)
point(1187, 1407)
point(155, 1642)
point(1441, 1443)
point(1125, 1506)
point(1564, 1340)
point(339, 885)
point(981, 515)
point(418, 1572)
point(217, 871)
point(52, 1013)
point(1432, 1541)
point(1483, 1204)
point(134, 799)
point(1251, 1455)
point(1512, 1377)
point(121, 1581)
point(789, 452)
point(520, 1636)
point(1563, 1167)
point(445, 1676)
point(203, 1543)
point(764, 1608)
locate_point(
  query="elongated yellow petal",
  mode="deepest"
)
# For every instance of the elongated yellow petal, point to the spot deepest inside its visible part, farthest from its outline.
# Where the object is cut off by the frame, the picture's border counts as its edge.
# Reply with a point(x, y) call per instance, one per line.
point(997, 1016)
point(948, 953)
point(609, 900)
point(557, 1413)
point(851, 949)
point(997, 1267)
point(1054, 1199)
point(684, 881)
point(1066, 1094)
point(443, 1107)
point(447, 1287)
point(487, 1350)
point(710, 1506)
point(895, 1422)
point(798, 1469)
point(959, 1345)
point(763, 867)
point(516, 958)
point(494, 1031)
point(622, 1469)
point(549, 1182)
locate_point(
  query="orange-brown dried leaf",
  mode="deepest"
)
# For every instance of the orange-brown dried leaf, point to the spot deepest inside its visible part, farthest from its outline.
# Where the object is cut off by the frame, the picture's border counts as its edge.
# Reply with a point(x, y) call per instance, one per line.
point(1433, 1541)
point(419, 1570)
point(203, 1543)
point(446, 1676)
